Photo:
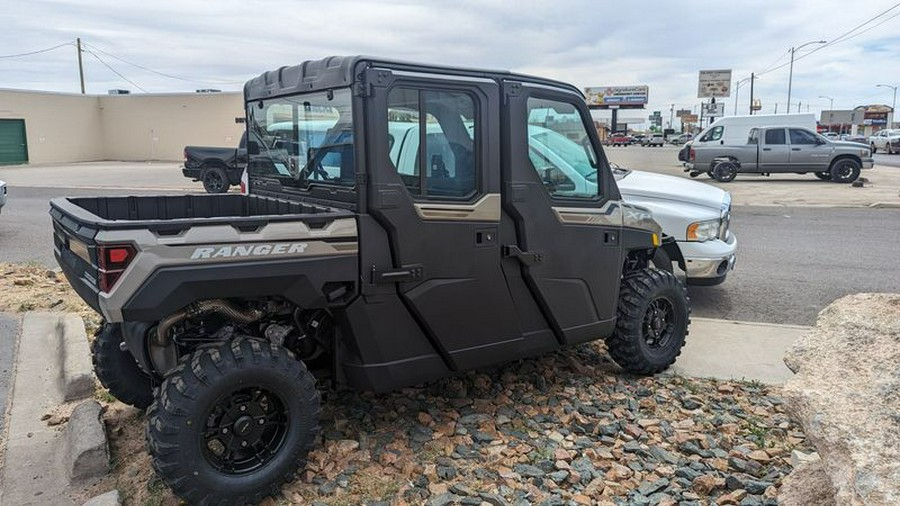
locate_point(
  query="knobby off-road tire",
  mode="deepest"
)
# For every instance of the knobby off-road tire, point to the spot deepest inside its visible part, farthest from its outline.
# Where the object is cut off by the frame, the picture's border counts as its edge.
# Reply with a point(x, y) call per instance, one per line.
point(233, 422)
point(117, 370)
point(652, 322)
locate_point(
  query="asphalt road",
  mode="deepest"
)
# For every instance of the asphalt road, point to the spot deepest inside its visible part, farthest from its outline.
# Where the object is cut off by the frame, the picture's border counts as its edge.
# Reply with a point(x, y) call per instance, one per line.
point(887, 160)
point(792, 261)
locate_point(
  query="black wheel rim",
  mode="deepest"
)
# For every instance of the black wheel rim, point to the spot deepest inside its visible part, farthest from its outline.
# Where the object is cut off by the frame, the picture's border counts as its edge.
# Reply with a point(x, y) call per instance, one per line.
point(214, 181)
point(844, 170)
point(659, 323)
point(244, 431)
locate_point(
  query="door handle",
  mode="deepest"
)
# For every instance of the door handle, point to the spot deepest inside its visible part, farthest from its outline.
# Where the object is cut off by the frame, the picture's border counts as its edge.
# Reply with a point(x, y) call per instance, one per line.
point(795, 149)
point(767, 149)
point(526, 257)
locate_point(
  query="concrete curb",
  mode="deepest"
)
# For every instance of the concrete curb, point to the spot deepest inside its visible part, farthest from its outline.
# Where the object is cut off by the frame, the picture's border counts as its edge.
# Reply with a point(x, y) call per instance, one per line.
point(87, 453)
point(76, 370)
point(44, 463)
point(885, 205)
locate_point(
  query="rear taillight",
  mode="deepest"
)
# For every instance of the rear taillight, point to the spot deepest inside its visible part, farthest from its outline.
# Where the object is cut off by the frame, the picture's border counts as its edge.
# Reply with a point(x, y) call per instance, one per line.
point(185, 155)
point(692, 154)
point(112, 261)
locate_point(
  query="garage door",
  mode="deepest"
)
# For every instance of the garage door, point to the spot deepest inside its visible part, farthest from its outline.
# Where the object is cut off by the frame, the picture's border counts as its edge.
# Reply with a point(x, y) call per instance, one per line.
point(13, 148)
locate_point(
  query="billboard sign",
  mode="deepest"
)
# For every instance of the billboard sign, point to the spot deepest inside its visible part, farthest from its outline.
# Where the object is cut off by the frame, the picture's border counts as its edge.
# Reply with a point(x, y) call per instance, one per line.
point(714, 83)
point(619, 97)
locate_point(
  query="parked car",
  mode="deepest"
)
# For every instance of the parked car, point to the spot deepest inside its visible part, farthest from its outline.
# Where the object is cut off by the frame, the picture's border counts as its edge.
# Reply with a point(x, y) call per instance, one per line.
point(887, 140)
point(779, 149)
point(680, 139)
point(832, 136)
point(638, 138)
point(620, 140)
point(225, 313)
point(654, 140)
point(2, 194)
point(862, 139)
point(217, 168)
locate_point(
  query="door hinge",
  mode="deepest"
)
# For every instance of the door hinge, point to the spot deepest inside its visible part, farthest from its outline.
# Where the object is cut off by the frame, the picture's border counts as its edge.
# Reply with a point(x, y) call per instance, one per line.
point(405, 274)
point(526, 257)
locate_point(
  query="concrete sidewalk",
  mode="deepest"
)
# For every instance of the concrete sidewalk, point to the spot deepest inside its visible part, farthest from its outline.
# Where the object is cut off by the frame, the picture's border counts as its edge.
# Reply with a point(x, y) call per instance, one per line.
point(737, 350)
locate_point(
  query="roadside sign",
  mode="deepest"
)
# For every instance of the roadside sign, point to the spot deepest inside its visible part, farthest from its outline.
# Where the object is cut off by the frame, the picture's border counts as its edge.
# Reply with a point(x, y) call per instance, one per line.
point(689, 118)
point(714, 83)
point(617, 97)
point(716, 110)
point(682, 112)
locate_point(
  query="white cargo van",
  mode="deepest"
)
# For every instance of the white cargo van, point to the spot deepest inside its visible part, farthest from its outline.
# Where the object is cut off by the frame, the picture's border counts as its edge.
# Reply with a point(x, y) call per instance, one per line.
point(734, 130)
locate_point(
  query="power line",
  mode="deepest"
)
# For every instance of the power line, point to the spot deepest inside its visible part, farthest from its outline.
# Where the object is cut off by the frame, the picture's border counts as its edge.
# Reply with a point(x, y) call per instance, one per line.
point(114, 71)
point(35, 52)
point(842, 38)
point(170, 76)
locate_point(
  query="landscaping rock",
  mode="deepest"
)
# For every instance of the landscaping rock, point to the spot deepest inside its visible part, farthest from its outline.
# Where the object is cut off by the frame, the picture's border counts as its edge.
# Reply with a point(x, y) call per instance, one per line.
point(845, 394)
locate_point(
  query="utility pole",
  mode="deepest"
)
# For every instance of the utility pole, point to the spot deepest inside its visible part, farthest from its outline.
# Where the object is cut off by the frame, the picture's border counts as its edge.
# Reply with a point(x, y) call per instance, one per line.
point(798, 106)
point(752, 78)
point(893, 103)
point(776, 107)
point(80, 66)
point(671, 115)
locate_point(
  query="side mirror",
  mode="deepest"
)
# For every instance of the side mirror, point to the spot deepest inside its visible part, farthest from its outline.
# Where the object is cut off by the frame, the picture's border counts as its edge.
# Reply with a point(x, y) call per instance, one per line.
point(252, 148)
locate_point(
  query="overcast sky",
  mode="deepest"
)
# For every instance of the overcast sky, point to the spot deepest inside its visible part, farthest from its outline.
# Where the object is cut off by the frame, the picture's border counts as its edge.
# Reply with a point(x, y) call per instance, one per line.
point(663, 44)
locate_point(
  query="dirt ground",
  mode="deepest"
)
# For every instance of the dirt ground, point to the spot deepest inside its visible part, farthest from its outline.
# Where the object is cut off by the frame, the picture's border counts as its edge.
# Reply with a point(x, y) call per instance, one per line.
point(33, 287)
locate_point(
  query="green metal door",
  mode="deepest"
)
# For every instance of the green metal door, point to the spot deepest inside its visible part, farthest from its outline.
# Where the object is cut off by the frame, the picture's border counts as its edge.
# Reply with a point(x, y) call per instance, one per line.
point(13, 148)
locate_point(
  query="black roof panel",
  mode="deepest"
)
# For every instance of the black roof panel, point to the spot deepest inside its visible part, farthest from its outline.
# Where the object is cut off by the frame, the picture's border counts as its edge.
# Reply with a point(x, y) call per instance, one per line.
point(339, 71)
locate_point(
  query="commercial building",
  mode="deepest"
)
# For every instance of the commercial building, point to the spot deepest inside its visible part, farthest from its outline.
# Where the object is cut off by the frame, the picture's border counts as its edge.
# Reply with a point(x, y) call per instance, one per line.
point(863, 120)
point(45, 127)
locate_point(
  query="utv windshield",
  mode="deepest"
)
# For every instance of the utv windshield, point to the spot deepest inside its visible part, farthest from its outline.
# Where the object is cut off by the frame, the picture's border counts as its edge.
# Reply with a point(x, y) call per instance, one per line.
point(303, 140)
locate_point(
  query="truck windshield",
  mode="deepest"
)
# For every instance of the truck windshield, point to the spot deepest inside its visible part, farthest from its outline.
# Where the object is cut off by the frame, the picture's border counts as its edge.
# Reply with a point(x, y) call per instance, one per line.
point(303, 139)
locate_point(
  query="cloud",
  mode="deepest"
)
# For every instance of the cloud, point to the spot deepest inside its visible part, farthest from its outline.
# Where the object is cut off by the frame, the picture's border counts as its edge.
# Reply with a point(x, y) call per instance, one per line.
point(587, 43)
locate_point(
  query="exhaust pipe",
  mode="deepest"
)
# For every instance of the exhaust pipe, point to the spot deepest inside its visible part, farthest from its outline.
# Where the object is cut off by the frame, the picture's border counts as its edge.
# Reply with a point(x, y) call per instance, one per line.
point(204, 307)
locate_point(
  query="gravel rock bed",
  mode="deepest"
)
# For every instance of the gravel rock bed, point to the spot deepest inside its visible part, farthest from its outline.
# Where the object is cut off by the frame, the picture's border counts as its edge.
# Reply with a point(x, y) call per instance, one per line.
point(567, 428)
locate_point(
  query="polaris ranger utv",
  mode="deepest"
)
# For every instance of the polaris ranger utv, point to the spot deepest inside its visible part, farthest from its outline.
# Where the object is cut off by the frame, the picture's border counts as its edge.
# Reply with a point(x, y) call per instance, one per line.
point(349, 264)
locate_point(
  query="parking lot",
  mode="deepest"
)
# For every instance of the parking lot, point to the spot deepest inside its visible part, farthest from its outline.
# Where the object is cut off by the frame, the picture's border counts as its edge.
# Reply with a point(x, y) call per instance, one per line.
point(793, 231)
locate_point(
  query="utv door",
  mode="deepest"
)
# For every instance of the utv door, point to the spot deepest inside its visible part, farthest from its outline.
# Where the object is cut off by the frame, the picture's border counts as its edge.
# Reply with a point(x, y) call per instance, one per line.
point(564, 203)
point(435, 189)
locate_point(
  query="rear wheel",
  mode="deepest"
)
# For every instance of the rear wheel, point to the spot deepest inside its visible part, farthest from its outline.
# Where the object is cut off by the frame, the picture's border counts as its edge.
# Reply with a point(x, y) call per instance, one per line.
point(652, 322)
point(725, 172)
point(845, 170)
point(117, 370)
point(233, 422)
point(215, 180)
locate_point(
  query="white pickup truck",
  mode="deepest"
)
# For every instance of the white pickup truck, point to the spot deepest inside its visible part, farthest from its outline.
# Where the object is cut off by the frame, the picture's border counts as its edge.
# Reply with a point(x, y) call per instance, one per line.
point(697, 215)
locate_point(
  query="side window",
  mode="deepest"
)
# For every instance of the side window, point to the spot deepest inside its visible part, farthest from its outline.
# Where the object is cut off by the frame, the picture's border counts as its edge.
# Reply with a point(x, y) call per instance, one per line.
point(444, 122)
point(713, 135)
point(802, 137)
point(775, 136)
point(560, 150)
point(754, 136)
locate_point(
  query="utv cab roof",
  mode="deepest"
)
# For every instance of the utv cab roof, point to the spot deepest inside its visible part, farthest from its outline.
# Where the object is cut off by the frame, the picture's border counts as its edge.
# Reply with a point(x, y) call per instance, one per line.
point(339, 71)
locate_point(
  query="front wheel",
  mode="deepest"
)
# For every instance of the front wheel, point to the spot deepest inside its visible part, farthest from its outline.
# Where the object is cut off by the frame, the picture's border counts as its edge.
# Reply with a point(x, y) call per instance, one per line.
point(652, 322)
point(233, 422)
point(845, 170)
point(874, 149)
point(824, 176)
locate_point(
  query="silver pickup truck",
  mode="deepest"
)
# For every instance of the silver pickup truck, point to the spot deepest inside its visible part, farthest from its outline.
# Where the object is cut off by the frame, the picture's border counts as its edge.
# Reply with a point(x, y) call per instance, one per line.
point(780, 149)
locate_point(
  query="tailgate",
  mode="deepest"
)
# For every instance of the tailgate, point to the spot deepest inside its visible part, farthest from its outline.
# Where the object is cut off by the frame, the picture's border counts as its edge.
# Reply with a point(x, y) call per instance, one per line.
point(76, 251)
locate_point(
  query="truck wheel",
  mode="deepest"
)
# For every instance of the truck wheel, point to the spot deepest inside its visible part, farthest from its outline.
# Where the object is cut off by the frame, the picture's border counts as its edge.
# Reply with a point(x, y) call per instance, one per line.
point(845, 170)
point(652, 322)
point(874, 149)
point(824, 176)
point(724, 172)
point(117, 370)
point(215, 180)
point(233, 422)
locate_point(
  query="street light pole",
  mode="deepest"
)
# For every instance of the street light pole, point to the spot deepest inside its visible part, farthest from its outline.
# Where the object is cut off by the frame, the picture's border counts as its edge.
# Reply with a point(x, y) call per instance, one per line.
point(893, 102)
point(737, 92)
point(791, 72)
